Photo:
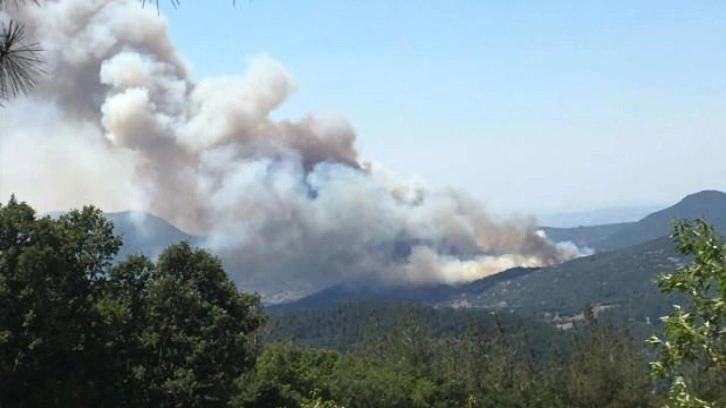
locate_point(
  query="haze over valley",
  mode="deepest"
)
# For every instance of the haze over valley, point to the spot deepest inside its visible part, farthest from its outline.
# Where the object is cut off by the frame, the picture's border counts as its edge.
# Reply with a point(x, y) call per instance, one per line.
point(362, 204)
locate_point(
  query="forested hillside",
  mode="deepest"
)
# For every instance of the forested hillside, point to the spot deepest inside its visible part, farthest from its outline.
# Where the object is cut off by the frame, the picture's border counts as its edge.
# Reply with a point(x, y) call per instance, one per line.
point(617, 284)
point(349, 325)
point(382, 254)
point(622, 279)
point(79, 329)
point(431, 294)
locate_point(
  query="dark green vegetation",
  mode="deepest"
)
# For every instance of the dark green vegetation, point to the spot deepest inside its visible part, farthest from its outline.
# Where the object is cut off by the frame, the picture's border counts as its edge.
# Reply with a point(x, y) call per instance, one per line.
point(692, 345)
point(426, 294)
point(618, 280)
point(78, 329)
point(409, 367)
point(347, 326)
point(616, 283)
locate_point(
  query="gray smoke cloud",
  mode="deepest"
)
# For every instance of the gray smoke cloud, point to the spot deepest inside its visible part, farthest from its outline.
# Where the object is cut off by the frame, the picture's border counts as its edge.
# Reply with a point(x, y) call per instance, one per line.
point(286, 204)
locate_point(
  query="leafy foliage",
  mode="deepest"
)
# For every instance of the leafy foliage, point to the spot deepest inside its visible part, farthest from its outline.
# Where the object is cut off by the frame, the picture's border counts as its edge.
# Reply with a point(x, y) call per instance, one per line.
point(694, 334)
point(77, 330)
point(409, 367)
point(619, 281)
point(81, 328)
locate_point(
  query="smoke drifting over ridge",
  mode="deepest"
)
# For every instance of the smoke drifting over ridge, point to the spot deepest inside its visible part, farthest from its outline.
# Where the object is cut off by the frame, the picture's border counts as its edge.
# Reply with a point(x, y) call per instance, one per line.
point(283, 203)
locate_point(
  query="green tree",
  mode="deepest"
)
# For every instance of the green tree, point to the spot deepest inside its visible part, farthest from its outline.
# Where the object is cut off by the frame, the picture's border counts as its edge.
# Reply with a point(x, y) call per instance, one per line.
point(76, 330)
point(606, 368)
point(692, 347)
point(52, 336)
point(200, 331)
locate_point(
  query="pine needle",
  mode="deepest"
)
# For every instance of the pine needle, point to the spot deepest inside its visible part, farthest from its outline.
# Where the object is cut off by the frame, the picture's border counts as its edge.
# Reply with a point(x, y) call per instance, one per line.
point(20, 62)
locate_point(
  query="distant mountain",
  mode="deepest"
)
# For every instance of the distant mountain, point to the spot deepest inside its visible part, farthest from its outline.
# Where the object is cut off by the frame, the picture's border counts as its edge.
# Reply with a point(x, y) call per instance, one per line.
point(587, 236)
point(620, 274)
point(621, 279)
point(709, 204)
point(615, 215)
point(145, 233)
point(142, 232)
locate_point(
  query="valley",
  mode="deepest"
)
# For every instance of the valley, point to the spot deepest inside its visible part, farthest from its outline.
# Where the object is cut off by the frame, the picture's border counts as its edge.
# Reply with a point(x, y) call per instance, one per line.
point(617, 280)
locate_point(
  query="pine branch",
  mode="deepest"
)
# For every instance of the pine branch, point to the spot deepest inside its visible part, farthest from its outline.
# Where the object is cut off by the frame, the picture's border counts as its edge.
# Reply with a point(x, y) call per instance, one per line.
point(174, 3)
point(20, 62)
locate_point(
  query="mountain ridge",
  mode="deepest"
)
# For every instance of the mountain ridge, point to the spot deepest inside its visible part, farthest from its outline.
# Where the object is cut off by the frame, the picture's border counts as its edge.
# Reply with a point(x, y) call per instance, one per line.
point(145, 233)
point(708, 204)
point(618, 279)
point(618, 248)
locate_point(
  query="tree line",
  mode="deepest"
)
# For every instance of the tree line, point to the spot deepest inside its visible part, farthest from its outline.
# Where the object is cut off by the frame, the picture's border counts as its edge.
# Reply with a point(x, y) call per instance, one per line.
point(77, 330)
point(80, 329)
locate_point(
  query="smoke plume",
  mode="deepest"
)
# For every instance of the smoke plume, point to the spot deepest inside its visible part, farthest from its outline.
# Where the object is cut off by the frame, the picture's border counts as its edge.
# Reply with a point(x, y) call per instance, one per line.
point(286, 204)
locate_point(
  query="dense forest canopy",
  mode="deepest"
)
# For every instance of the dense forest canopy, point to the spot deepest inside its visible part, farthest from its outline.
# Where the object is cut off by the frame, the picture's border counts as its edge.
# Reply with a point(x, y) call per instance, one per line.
point(79, 328)
point(76, 329)
point(81, 325)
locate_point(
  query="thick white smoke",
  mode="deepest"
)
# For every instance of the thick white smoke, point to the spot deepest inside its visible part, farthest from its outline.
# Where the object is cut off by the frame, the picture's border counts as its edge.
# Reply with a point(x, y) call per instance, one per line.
point(119, 122)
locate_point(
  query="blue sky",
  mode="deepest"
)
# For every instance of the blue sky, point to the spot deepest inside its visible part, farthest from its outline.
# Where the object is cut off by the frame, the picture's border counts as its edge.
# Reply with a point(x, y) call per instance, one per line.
point(530, 107)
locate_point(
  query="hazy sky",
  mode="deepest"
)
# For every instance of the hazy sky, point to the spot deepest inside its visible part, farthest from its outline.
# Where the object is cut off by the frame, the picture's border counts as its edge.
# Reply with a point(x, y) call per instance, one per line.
point(531, 107)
